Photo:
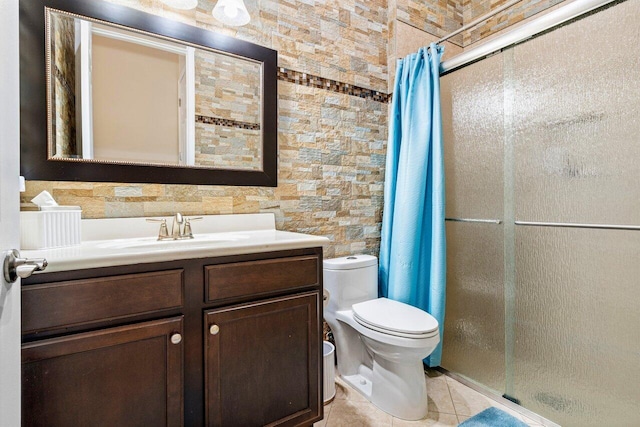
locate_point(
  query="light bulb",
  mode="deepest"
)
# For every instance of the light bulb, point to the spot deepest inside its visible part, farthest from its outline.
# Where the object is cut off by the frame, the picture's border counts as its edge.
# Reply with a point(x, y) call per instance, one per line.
point(231, 11)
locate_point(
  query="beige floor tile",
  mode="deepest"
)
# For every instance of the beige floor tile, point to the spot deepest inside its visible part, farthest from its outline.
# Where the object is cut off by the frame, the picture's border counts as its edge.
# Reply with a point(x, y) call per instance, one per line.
point(434, 373)
point(350, 413)
point(439, 397)
point(450, 403)
point(327, 411)
point(467, 401)
point(345, 392)
point(462, 418)
point(433, 419)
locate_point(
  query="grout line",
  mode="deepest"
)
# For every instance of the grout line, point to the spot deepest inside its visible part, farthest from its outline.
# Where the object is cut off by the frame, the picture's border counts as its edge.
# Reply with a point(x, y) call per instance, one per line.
point(450, 397)
point(329, 413)
point(446, 381)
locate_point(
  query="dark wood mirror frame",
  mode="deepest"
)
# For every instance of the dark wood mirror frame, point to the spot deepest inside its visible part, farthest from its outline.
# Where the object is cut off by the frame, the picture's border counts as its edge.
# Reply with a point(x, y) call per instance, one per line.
point(34, 163)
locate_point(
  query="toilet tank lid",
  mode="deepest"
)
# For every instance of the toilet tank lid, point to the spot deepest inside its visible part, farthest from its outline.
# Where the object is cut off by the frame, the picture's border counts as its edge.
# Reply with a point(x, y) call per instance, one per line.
point(349, 262)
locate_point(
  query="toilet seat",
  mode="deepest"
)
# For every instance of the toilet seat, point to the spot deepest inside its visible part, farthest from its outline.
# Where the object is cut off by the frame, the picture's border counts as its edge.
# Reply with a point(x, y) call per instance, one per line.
point(395, 318)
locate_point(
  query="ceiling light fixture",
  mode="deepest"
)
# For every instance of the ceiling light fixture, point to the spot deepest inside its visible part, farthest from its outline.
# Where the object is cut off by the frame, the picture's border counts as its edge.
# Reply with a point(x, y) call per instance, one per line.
point(231, 12)
point(181, 4)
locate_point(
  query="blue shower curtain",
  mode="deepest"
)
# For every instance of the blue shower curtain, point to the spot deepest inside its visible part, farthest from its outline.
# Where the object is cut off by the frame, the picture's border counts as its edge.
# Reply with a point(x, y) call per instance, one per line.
point(412, 249)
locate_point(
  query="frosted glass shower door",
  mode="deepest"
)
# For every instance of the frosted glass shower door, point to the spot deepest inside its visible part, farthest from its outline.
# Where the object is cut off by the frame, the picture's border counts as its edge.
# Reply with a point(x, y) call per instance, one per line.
point(577, 352)
point(473, 341)
point(544, 306)
point(576, 129)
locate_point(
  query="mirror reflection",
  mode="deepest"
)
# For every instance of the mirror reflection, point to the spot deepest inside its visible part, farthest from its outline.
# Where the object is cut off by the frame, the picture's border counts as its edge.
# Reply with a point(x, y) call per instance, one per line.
point(122, 96)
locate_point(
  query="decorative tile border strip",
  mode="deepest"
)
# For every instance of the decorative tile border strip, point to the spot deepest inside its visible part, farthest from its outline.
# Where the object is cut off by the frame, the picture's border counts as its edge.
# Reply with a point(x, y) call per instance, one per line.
point(305, 79)
point(218, 121)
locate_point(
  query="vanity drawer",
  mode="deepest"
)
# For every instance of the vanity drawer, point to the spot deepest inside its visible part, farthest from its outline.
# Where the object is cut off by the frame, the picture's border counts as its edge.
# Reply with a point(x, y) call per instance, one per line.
point(264, 277)
point(70, 303)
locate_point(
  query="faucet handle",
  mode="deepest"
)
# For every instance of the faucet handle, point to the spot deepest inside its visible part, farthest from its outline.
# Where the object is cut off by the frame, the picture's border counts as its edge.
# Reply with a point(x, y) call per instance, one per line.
point(187, 226)
point(164, 231)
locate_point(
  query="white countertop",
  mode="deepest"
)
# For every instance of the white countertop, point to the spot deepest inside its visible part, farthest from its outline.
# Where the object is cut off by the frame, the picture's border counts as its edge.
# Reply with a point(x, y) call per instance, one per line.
point(123, 241)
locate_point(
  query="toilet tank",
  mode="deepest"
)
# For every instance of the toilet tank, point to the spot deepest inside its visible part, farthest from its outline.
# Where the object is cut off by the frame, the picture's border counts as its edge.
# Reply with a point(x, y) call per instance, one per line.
point(350, 280)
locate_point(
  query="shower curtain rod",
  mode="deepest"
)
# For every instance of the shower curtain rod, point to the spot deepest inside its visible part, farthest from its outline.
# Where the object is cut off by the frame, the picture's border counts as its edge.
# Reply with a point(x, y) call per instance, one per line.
point(528, 30)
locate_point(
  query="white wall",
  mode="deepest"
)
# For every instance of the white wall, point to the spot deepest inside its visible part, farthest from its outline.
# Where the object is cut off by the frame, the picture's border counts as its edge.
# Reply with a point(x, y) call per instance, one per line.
point(135, 102)
point(9, 205)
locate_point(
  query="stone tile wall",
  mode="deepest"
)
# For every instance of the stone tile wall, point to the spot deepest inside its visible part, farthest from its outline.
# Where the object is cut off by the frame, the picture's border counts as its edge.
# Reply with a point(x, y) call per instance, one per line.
point(331, 143)
point(473, 9)
point(228, 145)
point(227, 87)
point(63, 79)
point(228, 111)
point(341, 40)
point(437, 18)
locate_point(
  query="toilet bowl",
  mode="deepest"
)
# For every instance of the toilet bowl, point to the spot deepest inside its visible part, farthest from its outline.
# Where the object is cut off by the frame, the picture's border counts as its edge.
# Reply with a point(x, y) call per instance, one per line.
point(380, 343)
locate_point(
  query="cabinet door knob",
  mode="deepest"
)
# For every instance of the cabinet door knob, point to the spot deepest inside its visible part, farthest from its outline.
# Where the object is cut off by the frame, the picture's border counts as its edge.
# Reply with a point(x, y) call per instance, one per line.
point(176, 338)
point(214, 329)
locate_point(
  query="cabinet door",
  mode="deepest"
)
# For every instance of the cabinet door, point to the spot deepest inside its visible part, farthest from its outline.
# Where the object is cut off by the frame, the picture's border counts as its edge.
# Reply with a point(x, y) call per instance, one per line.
point(262, 363)
point(125, 376)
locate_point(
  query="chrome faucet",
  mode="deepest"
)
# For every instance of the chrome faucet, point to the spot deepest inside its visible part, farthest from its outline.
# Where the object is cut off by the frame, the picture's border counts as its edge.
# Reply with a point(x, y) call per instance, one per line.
point(180, 229)
point(176, 228)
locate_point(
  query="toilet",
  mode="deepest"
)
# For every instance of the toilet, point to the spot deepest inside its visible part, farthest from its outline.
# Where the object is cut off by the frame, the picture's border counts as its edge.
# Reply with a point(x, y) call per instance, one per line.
point(380, 343)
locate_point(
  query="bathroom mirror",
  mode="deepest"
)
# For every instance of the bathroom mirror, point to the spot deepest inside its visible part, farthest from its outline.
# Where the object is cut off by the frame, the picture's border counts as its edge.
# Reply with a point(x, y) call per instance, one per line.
point(109, 93)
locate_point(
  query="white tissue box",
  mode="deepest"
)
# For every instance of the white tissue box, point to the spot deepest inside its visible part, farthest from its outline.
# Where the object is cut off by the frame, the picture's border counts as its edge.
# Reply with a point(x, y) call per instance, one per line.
point(51, 227)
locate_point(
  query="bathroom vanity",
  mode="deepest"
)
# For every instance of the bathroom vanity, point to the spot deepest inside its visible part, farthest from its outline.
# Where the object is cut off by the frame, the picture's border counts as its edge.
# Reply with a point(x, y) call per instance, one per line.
point(221, 331)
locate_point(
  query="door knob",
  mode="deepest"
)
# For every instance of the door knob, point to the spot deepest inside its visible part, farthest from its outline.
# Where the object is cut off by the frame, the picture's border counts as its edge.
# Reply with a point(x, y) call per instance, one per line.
point(14, 266)
point(214, 329)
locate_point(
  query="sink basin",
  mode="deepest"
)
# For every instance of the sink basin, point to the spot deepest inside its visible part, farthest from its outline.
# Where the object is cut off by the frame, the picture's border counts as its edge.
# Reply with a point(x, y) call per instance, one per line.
point(153, 243)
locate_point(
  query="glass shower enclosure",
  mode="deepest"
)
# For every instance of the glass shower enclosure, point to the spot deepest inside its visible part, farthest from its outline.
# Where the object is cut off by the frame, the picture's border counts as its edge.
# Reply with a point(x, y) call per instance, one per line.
point(542, 160)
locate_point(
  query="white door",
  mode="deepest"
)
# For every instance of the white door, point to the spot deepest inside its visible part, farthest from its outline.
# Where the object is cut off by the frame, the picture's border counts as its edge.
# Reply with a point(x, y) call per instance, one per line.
point(182, 112)
point(9, 212)
point(84, 115)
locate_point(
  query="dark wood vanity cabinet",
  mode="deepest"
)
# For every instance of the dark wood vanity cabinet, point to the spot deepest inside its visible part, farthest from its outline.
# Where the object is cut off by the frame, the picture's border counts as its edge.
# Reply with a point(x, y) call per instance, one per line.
point(111, 353)
point(124, 376)
point(227, 341)
point(262, 362)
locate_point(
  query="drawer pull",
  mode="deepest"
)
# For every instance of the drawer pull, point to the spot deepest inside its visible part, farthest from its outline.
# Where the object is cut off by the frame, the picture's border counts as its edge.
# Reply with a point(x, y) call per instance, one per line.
point(214, 329)
point(176, 338)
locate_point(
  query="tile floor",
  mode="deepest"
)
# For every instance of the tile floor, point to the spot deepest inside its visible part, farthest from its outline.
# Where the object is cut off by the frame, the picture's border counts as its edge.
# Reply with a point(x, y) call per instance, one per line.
point(450, 403)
